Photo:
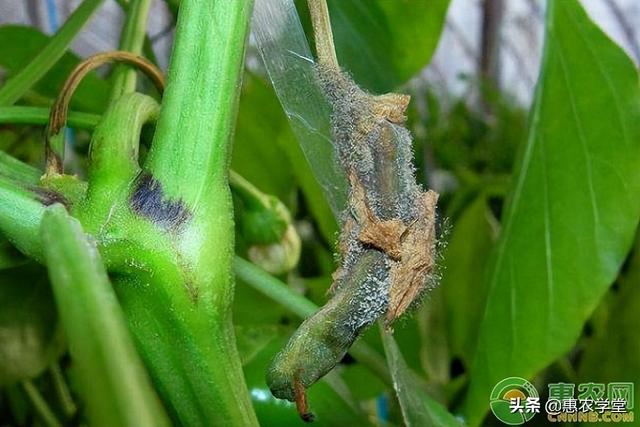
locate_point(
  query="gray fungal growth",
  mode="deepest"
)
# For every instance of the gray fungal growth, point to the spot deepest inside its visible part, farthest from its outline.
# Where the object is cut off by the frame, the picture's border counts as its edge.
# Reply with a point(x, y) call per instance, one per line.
point(388, 237)
point(387, 242)
point(148, 200)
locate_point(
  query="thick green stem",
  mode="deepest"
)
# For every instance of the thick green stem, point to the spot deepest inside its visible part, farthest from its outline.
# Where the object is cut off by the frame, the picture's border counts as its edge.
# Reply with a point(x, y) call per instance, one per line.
point(131, 40)
point(190, 151)
point(182, 224)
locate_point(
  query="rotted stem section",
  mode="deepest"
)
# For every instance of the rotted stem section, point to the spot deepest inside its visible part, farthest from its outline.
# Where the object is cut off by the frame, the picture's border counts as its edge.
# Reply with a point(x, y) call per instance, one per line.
point(387, 241)
point(54, 139)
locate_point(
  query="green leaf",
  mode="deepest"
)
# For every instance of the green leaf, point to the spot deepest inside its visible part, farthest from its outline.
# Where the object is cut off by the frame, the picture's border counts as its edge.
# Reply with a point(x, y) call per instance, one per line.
point(30, 339)
point(112, 379)
point(18, 45)
point(573, 209)
point(611, 355)
point(463, 284)
point(418, 408)
point(384, 43)
point(19, 83)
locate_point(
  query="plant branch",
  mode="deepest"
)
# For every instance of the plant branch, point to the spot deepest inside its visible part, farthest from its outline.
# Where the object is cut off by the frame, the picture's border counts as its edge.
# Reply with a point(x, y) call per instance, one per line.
point(54, 140)
point(131, 40)
point(62, 390)
point(40, 405)
point(40, 116)
point(111, 376)
point(322, 33)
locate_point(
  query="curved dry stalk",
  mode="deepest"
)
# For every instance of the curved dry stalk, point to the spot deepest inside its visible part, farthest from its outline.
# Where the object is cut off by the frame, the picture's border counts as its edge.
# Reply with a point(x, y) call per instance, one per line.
point(54, 142)
point(325, 48)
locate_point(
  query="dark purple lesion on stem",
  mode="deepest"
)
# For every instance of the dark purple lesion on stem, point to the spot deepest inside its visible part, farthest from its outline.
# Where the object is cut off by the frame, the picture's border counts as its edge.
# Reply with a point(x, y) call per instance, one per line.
point(148, 200)
point(48, 197)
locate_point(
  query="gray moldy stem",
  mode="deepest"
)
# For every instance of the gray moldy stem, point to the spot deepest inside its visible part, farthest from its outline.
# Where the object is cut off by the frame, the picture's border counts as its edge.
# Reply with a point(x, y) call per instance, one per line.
point(388, 238)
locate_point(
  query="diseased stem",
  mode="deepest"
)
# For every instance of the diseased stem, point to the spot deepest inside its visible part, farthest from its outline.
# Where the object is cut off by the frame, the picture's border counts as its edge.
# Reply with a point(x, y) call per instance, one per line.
point(325, 48)
point(273, 288)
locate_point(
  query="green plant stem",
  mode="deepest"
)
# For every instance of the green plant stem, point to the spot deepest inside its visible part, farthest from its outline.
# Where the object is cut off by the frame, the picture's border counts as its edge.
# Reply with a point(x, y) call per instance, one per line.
point(322, 33)
point(181, 312)
point(246, 191)
point(20, 83)
point(131, 40)
point(190, 150)
point(114, 146)
point(273, 288)
point(40, 405)
point(147, 47)
point(111, 377)
point(40, 116)
point(69, 407)
point(20, 215)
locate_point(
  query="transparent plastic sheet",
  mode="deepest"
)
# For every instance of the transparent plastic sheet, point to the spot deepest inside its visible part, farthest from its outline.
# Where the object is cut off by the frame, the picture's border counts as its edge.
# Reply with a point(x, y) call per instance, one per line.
point(290, 65)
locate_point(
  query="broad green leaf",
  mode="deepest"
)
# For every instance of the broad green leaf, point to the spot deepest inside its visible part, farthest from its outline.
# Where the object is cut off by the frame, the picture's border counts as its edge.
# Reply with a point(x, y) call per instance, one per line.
point(611, 355)
point(30, 339)
point(18, 84)
point(18, 45)
point(418, 408)
point(573, 209)
point(463, 281)
point(384, 43)
point(112, 379)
